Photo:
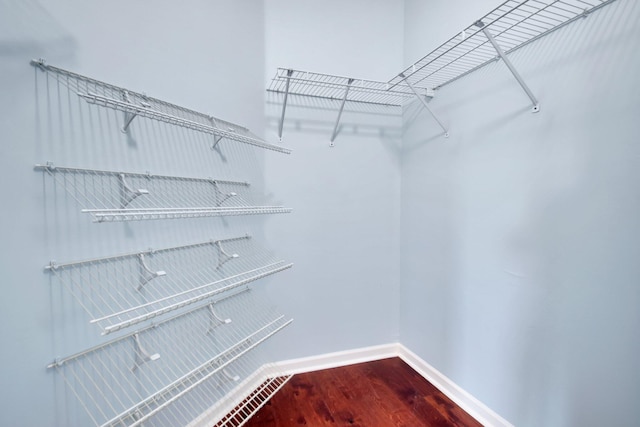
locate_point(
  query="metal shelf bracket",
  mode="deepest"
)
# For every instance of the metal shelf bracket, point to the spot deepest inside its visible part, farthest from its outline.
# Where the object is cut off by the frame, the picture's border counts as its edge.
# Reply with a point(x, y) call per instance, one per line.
point(223, 257)
point(128, 117)
point(344, 100)
point(423, 101)
point(536, 106)
point(220, 196)
point(147, 274)
point(284, 103)
point(215, 319)
point(234, 378)
point(141, 355)
point(127, 194)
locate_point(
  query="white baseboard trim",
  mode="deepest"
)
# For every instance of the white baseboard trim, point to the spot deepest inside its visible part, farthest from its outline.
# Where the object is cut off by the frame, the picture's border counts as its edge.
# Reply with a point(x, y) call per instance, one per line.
point(463, 399)
point(466, 401)
point(333, 360)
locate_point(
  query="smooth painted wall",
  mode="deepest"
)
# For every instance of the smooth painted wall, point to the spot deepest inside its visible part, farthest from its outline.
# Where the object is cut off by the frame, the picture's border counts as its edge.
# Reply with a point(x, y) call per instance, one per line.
point(520, 278)
point(204, 55)
point(343, 235)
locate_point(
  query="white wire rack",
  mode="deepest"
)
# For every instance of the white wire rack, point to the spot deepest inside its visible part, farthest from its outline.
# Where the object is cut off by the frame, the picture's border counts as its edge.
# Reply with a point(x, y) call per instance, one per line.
point(134, 104)
point(510, 26)
point(124, 290)
point(326, 86)
point(122, 196)
point(167, 374)
point(513, 24)
point(243, 411)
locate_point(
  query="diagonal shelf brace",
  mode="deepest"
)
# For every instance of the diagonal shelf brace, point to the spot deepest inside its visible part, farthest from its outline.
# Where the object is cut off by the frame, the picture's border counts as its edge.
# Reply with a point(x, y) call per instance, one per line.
point(344, 100)
point(284, 103)
point(507, 62)
point(128, 117)
point(424, 103)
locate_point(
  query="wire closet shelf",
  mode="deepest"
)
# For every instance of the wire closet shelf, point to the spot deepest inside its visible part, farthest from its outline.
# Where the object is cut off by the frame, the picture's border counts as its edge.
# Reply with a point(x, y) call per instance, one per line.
point(124, 290)
point(513, 25)
point(123, 196)
point(510, 26)
point(169, 373)
point(134, 104)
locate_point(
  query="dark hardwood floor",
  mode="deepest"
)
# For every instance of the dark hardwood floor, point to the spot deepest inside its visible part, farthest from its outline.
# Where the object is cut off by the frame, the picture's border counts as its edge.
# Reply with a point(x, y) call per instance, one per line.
point(384, 393)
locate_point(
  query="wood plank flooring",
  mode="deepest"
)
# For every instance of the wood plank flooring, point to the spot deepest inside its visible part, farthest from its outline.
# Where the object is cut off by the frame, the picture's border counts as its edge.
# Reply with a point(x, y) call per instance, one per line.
point(384, 393)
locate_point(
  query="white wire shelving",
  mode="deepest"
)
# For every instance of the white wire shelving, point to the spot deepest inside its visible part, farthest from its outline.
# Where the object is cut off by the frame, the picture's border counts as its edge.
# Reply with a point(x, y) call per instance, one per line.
point(510, 26)
point(345, 92)
point(122, 196)
point(124, 290)
point(168, 373)
point(134, 104)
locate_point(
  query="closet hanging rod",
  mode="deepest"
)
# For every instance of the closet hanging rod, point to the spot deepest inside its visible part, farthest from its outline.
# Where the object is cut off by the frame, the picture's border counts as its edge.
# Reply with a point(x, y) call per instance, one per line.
point(513, 24)
point(135, 104)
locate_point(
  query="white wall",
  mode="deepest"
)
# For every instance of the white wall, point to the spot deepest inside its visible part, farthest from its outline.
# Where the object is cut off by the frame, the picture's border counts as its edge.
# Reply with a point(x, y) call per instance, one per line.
point(344, 233)
point(520, 274)
point(208, 56)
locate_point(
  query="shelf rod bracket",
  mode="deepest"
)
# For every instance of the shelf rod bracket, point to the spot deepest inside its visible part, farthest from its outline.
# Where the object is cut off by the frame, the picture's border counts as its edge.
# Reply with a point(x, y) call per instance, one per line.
point(142, 356)
point(220, 196)
point(128, 117)
point(344, 100)
point(215, 319)
point(234, 378)
point(127, 194)
point(424, 103)
point(507, 62)
point(284, 104)
point(223, 257)
point(148, 274)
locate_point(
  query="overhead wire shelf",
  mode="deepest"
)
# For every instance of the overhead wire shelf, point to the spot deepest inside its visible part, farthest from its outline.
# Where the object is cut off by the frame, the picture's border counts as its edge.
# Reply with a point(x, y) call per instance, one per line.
point(170, 373)
point(124, 290)
point(134, 104)
point(329, 87)
point(513, 24)
point(510, 26)
point(123, 196)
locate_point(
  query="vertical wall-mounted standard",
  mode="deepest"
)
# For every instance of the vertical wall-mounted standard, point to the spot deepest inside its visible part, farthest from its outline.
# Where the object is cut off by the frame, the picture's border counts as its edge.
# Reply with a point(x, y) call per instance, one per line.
point(507, 62)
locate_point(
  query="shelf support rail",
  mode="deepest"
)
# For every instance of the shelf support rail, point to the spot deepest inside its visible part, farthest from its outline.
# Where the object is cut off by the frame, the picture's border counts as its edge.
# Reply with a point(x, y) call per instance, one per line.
point(284, 103)
point(507, 62)
point(344, 100)
point(424, 103)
